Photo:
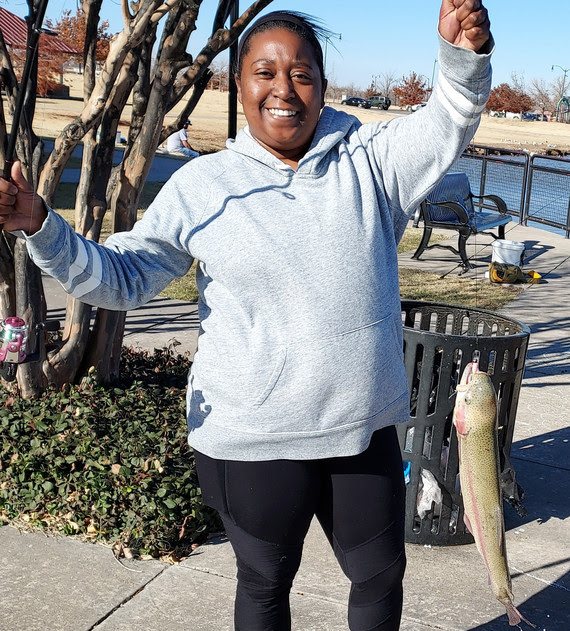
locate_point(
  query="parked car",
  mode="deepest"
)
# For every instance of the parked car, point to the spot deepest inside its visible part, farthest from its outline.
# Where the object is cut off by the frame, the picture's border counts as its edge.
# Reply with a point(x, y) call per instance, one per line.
point(381, 102)
point(357, 102)
point(531, 116)
point(416, 106)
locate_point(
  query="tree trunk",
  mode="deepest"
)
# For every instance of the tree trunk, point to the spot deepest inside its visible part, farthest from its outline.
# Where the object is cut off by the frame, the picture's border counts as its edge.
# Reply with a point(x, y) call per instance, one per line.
point(7, 277)
point(90, 208)
point(104, 348)
point(26, 298)
point(31, 307)
point(64, 365)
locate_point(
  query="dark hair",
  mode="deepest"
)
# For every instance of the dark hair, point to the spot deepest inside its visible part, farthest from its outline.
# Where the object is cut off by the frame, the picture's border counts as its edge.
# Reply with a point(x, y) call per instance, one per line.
point(303, 25)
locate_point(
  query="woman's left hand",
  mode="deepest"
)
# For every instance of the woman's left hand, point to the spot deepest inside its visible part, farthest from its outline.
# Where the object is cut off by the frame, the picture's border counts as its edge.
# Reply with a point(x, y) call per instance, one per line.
point(464, 23)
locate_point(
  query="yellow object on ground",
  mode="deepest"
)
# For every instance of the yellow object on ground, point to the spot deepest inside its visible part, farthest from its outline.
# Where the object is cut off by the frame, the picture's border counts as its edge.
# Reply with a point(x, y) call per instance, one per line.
point(533, 277)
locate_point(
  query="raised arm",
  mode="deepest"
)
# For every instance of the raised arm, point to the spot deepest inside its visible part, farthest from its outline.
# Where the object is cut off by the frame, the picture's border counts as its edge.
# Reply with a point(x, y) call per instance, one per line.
point(413, 152)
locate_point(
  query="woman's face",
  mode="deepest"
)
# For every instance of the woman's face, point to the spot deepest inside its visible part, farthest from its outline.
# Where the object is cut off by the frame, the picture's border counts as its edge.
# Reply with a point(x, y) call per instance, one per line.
point(282, 92)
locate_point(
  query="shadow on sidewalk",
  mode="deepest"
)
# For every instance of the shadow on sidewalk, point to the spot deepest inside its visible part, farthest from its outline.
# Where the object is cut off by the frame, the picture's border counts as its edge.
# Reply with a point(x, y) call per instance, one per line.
point(542, 471)
point(548, 609)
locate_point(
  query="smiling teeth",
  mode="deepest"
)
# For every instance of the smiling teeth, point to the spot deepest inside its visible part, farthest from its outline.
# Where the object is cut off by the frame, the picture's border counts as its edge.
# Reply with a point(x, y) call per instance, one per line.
point(277, 112)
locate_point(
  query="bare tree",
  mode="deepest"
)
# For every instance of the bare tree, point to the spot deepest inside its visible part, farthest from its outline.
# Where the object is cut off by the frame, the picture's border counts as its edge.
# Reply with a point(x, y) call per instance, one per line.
point(385, 83)
point(158, 82)
point(518, 82)
point(350, 90)
point(541, 93)
point(559, 88)
point(220, 79)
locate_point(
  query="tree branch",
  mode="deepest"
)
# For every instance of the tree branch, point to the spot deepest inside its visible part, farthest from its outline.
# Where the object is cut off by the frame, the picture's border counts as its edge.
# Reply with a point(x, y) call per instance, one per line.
point(220, 40)
point(163, 10)
point(127, 15)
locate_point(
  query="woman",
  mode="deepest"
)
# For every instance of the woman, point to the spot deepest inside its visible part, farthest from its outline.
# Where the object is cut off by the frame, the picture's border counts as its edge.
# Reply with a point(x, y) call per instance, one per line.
point(298, 379)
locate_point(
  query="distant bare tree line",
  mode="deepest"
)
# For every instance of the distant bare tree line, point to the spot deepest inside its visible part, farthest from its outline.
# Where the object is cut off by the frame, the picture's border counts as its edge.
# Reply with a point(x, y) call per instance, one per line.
point(543, 95)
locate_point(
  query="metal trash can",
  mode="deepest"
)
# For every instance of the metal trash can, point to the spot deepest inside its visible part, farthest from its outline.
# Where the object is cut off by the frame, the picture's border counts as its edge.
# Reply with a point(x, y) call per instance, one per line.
point(439, 341)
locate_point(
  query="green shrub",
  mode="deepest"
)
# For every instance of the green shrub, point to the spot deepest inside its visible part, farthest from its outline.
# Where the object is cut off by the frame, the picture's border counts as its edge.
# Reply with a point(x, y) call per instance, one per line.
point(109, 463)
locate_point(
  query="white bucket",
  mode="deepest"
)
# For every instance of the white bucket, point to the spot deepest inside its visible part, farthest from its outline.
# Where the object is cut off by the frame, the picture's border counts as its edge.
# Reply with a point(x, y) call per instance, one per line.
point(510, 252)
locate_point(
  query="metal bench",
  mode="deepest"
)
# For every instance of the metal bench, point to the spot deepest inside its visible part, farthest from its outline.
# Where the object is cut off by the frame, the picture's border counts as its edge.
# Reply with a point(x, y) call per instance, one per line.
point(450, 207)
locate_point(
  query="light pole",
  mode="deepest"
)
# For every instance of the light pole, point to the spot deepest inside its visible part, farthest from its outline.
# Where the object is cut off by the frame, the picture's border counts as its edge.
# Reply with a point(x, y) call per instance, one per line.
point(327, 40)
point(433, 74)
point(565, 71)
point(375, 77)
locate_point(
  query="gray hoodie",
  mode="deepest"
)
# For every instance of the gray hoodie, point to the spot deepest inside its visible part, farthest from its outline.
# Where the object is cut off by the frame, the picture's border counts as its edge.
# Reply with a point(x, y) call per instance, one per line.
point(300, 348)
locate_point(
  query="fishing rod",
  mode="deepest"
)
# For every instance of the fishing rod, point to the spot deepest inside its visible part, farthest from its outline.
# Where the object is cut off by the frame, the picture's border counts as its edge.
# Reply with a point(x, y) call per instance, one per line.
point(14, 330)
point(31, 45)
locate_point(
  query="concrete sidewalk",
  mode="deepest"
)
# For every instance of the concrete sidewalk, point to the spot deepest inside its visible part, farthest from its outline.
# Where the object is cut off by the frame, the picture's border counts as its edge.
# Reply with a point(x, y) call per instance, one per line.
point(60, 584)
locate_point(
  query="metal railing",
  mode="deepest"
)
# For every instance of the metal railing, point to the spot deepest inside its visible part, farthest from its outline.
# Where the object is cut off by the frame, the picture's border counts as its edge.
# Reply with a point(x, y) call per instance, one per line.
point(548, 193)
point(535, 188)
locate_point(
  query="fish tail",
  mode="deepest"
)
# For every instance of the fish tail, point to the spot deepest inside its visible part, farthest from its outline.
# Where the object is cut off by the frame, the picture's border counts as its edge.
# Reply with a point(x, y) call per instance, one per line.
point(515, 616)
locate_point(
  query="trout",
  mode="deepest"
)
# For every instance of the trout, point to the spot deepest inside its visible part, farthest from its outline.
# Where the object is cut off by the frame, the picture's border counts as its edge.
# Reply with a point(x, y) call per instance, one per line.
point(475, 419)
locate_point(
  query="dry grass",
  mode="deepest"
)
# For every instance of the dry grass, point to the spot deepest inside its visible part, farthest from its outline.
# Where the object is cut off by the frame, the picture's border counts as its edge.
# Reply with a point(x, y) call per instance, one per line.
point(412, 238)
point(419, 285)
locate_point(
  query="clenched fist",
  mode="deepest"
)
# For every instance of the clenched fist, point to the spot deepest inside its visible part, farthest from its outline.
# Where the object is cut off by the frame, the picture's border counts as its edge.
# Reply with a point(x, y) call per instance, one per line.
point(20, 207)
point(464, 23)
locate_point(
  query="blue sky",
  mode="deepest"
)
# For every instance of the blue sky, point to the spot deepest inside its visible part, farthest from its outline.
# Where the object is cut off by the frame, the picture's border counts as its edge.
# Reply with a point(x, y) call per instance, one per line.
point(400, 37)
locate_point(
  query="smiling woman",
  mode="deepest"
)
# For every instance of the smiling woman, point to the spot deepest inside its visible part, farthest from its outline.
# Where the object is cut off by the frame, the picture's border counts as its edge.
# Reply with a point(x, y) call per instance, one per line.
point(281, 87)
point(298, 380)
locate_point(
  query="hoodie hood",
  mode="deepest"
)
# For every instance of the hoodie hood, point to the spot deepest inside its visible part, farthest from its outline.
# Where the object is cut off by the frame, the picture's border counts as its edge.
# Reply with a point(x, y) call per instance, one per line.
point(333, 127)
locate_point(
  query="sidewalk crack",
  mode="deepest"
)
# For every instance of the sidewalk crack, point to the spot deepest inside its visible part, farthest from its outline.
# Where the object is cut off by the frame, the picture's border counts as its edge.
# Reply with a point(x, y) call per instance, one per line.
point(126, 600)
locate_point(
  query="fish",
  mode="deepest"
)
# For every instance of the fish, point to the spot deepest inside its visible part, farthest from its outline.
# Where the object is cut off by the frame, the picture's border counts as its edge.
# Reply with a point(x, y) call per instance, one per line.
point(476, 423)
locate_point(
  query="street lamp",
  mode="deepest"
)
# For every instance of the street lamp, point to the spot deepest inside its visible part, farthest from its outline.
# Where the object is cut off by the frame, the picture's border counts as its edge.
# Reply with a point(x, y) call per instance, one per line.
point(565, 71)
point(375, 78)
point(433, 73)
point(327, 40)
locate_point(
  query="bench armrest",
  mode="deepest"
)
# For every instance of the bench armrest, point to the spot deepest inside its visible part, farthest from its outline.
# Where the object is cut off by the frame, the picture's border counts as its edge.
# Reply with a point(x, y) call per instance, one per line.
point(499, 203)
point(462, 216)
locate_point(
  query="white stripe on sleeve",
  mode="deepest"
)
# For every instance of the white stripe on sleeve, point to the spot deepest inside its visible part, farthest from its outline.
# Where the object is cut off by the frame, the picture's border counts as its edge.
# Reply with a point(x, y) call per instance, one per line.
point(96, 275)
point(78, 267)
point(452, 99)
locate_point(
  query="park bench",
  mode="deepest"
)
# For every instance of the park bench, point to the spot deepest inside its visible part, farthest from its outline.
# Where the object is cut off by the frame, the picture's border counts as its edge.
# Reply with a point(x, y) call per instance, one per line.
point(450, 207)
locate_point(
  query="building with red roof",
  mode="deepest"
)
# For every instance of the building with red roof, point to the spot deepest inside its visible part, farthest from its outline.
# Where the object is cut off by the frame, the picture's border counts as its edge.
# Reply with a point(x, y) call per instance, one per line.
point(15, 32)
point(53, 52)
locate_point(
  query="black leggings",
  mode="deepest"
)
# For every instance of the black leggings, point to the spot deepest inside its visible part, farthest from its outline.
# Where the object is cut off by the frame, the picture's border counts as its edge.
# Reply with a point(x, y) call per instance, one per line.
point(267, 508)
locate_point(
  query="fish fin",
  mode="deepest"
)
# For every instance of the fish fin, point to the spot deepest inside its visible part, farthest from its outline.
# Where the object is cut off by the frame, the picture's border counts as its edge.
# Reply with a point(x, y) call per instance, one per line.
point(516, 617)
point(467, 523)
point(477, 543)
point(459, 422)
point(466, 375)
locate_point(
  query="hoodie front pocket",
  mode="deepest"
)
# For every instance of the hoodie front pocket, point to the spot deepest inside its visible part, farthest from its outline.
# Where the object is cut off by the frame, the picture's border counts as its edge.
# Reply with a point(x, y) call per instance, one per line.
point(350, 376)
point(277, 370)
